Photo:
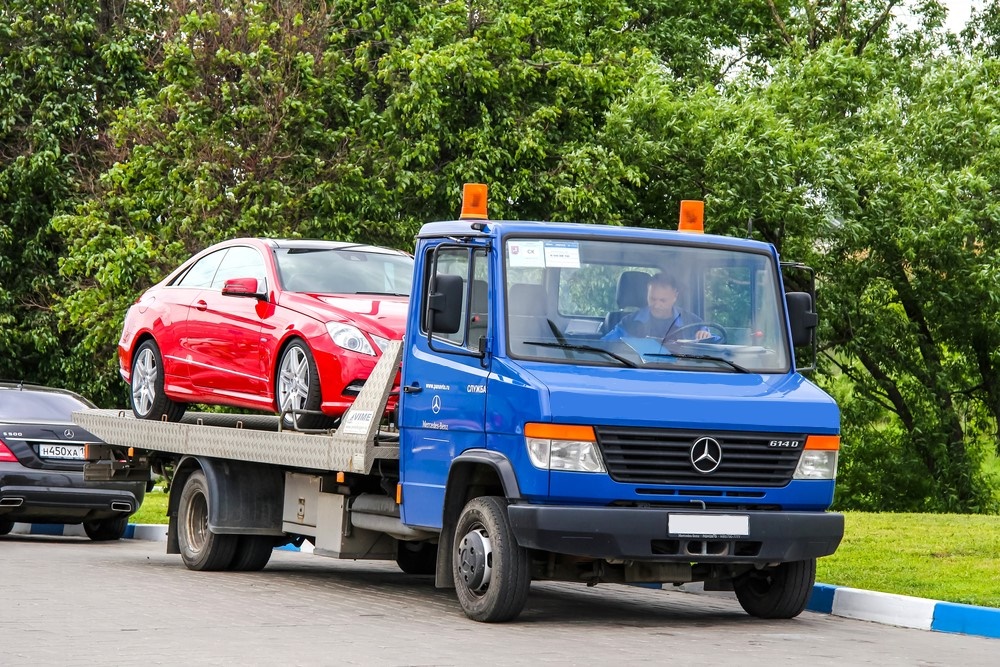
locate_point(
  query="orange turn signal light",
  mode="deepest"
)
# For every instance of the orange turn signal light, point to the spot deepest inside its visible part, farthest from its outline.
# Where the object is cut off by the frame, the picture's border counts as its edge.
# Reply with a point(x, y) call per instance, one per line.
point(399, 493)
point(474, 201)
point(560, 432)
point(823, 442)
point(692, 216)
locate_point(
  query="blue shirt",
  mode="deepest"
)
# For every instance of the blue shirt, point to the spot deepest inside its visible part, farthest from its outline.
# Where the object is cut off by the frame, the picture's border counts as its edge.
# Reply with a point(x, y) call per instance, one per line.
point(642, 324)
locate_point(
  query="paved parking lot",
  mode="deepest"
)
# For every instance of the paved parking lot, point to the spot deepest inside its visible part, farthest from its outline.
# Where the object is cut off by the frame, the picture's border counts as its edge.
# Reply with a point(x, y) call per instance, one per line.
point(69, 601)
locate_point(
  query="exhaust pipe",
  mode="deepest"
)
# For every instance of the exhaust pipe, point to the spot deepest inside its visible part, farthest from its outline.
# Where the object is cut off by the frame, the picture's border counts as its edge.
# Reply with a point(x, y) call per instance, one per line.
point(120, 506)
point(11, 502)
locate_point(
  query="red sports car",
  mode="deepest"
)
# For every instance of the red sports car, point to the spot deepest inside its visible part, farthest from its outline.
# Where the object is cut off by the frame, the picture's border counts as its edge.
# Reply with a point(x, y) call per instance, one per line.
point(288, 326)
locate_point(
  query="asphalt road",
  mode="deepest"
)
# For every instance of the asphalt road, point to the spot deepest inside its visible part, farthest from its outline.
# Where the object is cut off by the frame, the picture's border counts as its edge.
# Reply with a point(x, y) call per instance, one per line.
point(68, 601)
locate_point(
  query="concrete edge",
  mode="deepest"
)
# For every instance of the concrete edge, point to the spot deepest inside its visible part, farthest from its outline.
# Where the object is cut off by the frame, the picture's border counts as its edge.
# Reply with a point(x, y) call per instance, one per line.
point(885, 608)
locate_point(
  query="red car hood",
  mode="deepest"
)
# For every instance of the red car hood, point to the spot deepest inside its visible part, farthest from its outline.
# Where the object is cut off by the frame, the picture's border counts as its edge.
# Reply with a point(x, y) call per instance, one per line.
point(385, 315)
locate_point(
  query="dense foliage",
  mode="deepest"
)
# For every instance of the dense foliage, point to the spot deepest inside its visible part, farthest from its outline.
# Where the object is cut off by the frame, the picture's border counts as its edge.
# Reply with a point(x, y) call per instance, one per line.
point(132, 134)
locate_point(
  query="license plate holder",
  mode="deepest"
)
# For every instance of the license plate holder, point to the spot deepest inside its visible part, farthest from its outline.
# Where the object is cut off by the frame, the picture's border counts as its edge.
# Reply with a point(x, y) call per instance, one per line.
point(56, 451)
point(708, 525)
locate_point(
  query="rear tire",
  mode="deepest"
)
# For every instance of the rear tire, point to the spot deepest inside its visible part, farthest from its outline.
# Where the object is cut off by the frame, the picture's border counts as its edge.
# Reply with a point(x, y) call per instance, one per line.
point(252, 553)
point(492, 573)
point(148, 399)
point(6, 527)
point(416, 557)
point(777, 592)
point(106, 530)
point(296, 387)
point(201, 549)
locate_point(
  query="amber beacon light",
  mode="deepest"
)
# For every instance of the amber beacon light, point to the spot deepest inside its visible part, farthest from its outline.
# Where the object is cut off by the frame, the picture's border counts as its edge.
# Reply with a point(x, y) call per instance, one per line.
point(474, 201)
point(692, 216)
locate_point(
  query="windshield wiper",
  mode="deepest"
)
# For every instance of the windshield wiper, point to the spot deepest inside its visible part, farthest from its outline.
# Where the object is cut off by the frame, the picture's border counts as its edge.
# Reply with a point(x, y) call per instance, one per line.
point(383, 293)
point(582, 348)
point(701, 357)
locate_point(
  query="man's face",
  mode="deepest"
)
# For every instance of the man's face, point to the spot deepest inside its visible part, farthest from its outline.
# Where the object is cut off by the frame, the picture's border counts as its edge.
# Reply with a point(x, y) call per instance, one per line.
point(661, 299)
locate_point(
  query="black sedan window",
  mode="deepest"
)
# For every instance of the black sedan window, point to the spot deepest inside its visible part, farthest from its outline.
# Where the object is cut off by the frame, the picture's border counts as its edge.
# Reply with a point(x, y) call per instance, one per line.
point(16, 405)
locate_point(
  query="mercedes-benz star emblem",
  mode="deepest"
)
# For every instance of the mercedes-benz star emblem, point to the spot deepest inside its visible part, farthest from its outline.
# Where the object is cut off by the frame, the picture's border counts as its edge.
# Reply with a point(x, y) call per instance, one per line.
point(69, 434)
point(706, 455)
point(436, 404)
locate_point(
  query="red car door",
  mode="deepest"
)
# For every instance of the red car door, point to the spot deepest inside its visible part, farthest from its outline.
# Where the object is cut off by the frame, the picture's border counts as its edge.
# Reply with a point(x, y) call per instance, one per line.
point(223, 333)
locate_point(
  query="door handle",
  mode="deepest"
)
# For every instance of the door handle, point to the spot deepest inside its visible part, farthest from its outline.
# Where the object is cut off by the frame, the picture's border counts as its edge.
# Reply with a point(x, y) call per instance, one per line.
point(201, 305)
point(414, 388)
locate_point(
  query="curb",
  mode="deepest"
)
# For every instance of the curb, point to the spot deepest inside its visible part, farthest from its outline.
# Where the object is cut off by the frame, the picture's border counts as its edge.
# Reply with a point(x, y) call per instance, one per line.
point(905, 611)
point(154, 532)
point(885, 608)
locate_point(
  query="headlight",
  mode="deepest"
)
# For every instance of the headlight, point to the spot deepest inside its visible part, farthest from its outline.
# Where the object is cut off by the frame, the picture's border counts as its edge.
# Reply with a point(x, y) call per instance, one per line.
point(350, 338)
point(380, 342)
point(817, 464)
point(563, 447)
point(819, 459)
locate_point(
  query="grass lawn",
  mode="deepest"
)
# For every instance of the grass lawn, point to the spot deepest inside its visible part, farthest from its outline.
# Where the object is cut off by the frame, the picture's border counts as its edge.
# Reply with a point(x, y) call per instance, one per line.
point(153, 509)
point(951, 557)
point(948, 557)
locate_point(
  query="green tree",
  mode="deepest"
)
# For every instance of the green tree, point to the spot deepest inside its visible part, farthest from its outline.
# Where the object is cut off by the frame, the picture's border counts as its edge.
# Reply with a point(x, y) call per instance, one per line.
point(64, 68)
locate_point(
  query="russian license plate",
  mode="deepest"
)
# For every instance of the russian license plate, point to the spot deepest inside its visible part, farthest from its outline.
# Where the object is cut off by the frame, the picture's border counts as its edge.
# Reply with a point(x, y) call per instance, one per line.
point(708, 525)
point(61, 451)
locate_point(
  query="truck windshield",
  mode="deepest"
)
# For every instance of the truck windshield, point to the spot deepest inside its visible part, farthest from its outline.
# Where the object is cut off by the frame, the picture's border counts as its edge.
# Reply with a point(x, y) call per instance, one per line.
point(646, 305)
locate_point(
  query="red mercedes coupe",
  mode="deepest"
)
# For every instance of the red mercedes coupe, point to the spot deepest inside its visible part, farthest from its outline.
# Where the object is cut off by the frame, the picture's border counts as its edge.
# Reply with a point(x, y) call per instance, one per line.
point(287, 326)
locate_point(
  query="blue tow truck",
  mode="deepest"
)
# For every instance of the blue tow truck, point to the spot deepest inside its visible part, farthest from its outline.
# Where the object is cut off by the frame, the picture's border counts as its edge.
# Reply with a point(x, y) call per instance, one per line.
point(554, 422)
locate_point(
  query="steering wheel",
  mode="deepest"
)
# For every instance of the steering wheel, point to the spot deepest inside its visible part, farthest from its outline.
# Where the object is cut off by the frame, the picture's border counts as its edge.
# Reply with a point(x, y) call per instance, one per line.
point(720, 331)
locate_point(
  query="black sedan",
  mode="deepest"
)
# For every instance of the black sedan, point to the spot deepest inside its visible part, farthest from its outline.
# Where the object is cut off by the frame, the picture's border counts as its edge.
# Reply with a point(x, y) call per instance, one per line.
point(41, 466)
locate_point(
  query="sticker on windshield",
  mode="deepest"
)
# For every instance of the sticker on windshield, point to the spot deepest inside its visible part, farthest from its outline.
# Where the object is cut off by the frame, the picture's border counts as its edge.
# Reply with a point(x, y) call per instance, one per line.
point(526, 254)
point(562, 254)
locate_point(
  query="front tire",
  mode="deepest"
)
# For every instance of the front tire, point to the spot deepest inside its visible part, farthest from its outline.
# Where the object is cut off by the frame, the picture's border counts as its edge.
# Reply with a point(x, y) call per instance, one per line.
point(106, 530)
point(296, 387)
point(491, 571)
point(201, 549)
point(777, 592)
point(148, 399)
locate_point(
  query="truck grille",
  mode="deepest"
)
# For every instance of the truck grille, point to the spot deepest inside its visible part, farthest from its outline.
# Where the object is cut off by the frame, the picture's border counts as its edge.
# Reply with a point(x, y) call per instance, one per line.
point(663, 456)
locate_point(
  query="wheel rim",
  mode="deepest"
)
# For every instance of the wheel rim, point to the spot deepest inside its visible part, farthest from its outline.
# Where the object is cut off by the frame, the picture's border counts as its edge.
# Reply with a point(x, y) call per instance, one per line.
point(475, 560)
point(144, 381)
point(293, 380)
point(196, 523)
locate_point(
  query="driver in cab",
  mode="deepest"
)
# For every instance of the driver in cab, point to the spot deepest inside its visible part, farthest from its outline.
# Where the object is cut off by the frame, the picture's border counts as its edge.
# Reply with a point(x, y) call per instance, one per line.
point(661, 318)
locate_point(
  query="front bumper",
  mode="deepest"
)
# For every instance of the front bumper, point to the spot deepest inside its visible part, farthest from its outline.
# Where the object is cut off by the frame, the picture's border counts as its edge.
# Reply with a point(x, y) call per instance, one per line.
point(641, 534)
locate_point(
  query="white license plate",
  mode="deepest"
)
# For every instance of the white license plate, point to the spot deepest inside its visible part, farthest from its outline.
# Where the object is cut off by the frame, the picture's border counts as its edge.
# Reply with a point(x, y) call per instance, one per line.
point(61, 451)
point(708, 525)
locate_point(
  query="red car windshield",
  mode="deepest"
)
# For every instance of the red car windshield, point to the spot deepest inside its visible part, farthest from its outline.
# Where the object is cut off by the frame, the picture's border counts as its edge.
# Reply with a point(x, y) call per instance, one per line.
point(345, 270)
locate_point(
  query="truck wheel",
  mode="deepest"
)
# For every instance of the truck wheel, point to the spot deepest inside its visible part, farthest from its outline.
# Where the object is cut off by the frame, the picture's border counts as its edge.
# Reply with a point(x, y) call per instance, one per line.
point(252, 553)
point(106, 530)
point(776, 592)
point(491, 571)
point(416, 557)
point(296, 387)
point(201, 549)
point(6, 527)
point(148, 399)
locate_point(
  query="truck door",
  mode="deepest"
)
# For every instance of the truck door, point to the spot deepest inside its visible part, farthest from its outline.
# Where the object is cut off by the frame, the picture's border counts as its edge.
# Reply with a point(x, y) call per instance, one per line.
point(444, 384)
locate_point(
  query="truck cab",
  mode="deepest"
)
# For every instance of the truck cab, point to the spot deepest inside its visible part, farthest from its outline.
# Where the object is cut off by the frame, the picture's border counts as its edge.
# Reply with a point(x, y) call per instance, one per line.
point(537, 371)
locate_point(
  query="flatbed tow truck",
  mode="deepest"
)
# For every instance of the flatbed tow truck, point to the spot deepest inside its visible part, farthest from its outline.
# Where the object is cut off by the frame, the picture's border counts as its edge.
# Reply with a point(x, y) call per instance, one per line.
point(532, 440)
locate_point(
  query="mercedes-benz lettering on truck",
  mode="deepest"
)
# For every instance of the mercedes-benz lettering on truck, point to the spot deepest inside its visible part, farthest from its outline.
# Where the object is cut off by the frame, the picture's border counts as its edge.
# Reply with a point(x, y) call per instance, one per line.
point(578, 402)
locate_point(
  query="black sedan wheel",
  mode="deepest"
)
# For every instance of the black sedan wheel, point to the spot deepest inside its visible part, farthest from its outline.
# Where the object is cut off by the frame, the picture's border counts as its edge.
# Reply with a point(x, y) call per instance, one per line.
point(107, 530)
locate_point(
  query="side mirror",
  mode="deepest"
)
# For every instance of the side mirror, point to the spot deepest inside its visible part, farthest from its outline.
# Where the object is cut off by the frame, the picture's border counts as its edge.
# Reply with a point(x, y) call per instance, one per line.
point(802, 317)
point(245, 287)
point(444, 304)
